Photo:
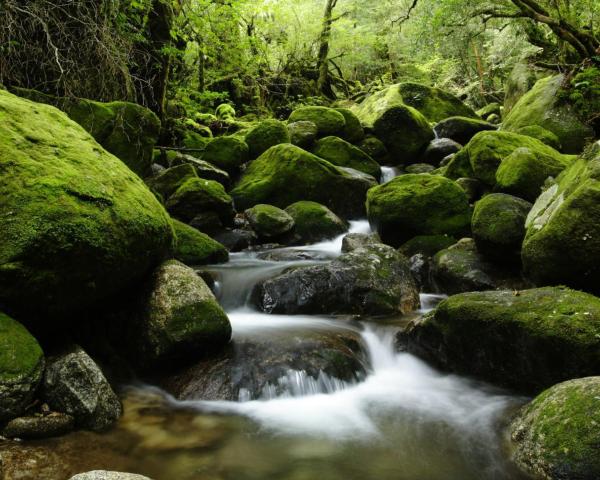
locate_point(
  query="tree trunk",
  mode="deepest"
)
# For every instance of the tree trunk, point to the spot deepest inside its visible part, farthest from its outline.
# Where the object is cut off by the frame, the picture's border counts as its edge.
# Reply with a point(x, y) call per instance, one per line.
point(322, 59)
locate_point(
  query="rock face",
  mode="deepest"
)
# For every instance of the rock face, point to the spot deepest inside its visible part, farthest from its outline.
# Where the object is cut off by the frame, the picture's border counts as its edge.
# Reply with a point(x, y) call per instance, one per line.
point(403, 130)
point(176, 318)
point(193, 247)
point(562, 244)
point(417, 204)
point(127, 130)
point(265, 135)
point(524, 173)
point(84, 228)
point(286, 174)
point(269, 222)
point(196, 195)
point(461, 268)
point(303, 133)
point(482, 156)
point(462, 129)
point(21, 367)
point(315, 222)
point(253, 367)
point(498, 226)
point(343, 154)
point(433, 103)
point(106, 475)
point(527, 340)
point(327, 120)
point(371, 280)
point(543, 106)
point(227, 153)
point(557, 434)
point(75, 385)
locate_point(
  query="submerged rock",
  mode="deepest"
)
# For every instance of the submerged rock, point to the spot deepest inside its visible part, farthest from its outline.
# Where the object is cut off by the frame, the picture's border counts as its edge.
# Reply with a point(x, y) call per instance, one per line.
point(557, 434)
point(527, 340)
point(371, 280)
point(106, 475)
point(75, 385)
point(40, 426)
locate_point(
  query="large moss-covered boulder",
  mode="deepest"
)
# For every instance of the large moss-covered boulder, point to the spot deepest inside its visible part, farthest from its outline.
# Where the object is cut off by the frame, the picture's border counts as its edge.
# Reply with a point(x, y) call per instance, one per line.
point(196, 196)
point(403, 130)
point(127, 130)
point(285, 174)
point(543, 135)
point(353, 130)
point(524, 172)
point(77, 224)
point(544, 105)
point(462, 129)
point(375, 148)
point(303, 133)
point(265, 135)
point(433, 103)
point(520, 81)
point(315, 222)
point(203, 168)
point(482, 156)
point(498, 226)
point(527, 339)
point(556, 436)
point(227, 153)
point(176, 318)
point(269, 222)
point(170, 179)
point(327, 120)
point(344, 154)
point(21, 367)
point(193, 247)
point(562, 244)
point(417, 204)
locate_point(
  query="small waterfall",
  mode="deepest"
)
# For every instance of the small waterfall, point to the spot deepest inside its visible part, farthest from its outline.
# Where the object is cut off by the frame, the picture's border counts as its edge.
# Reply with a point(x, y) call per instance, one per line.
point(388, 173)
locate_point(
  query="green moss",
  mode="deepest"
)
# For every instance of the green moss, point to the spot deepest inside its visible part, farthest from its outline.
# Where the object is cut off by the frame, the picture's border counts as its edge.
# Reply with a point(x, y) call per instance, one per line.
point(557, 434)
point(20, 354)
point(583, 94)
point(169, 180)
point(197, 195)
point(343, 154)
point(327, 120)
point(417, 204)
point(285, 174)
point(520, 81)
point(265, 135)
point(498, 226)
point(193, 247)
point(269, 221)
point(543, 135)
point(78, 225)
point(303, 134)
point(375, 148)
point(433, 103)
point(353, 130)
point(227, 153)
point(543, 106)
point(426, 244)
point(490, 109)
point(482, 156)
point(315, 222)
point(225, 112)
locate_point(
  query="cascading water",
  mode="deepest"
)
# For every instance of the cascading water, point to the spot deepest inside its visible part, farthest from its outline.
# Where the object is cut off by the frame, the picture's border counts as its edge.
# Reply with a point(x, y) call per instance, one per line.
point(388, 173)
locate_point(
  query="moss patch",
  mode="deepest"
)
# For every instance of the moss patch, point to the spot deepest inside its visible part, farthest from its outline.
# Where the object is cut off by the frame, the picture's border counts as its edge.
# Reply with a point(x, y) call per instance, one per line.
point(265, 135)
point(343, 154)
point(327, 120)
point(433, 103)
point(193, 247)
point(315, 222)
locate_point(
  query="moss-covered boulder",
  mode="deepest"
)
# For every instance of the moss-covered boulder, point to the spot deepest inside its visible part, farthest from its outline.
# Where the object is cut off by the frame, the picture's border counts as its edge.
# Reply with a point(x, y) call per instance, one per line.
point(225, 112)
point(170, 179)
point(177, 318)
point(498, 226)
point(353, 130)
point(525, 172)
point(403, 130)
point(315, 222)
point(285, 174)
point(493, 108)
point(193, 247)
point(562, 244)
point(375, 148)
point(482, 156)
point(327, 120)
point(543, 135)
point(433, 103)
point(77, 224)
point(462, 129)
point(556, 436)
point(303, 133)
point(438, 150)
point(520, 81)
point(265, 135)
point(227, 153)
point(21, 367)
point(269, 222)
point(427, 245)
point(527, 339)
point(417, 204)
point(544, 105)
point(196, 195)
point(344, 154)
point(127, 130)
point(203, 168)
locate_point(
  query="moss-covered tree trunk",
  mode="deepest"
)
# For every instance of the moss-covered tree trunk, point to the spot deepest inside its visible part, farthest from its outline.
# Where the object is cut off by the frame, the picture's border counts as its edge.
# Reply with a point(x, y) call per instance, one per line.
point(323, 85)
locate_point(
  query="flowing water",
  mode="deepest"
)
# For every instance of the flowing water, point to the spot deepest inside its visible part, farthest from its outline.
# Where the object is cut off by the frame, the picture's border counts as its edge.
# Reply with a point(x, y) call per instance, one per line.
point(403, 420)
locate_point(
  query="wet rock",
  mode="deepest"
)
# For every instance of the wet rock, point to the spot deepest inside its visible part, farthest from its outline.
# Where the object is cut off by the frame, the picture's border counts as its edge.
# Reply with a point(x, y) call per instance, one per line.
point(39, 426)
point(354, 241)
point(439, 149)
point(372, 280)
point(236, 240)
point(527, 339)
point(255, 366)
point(420, 266)
point(75, 385)
point(461, 268)
point(106, 475)
point(286, 255)
point(461, 129)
